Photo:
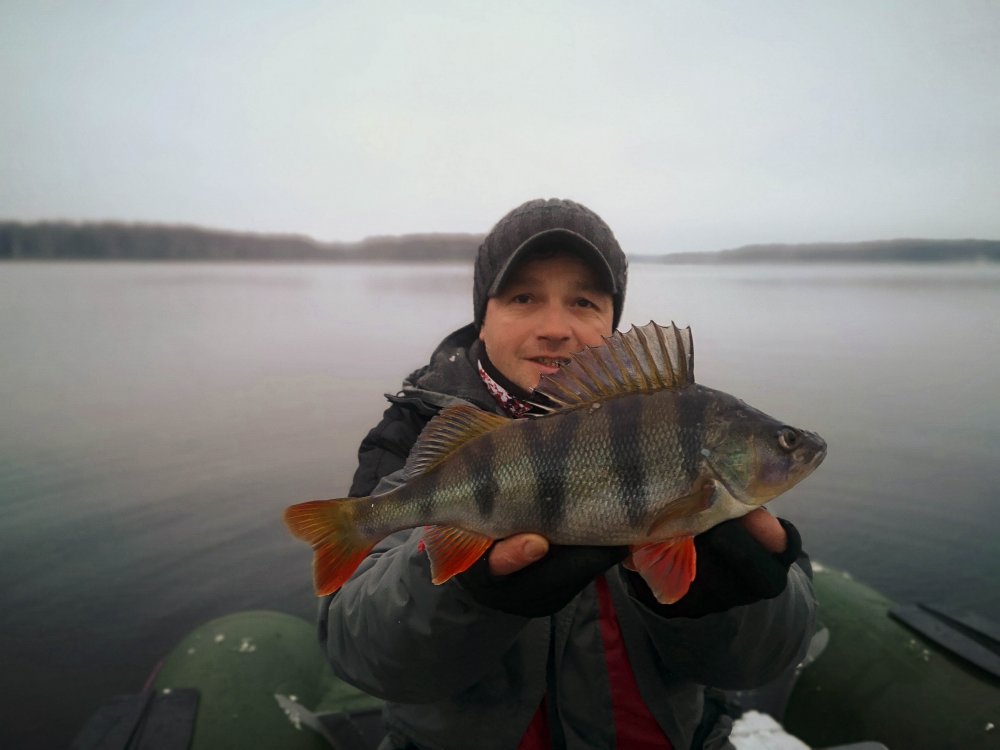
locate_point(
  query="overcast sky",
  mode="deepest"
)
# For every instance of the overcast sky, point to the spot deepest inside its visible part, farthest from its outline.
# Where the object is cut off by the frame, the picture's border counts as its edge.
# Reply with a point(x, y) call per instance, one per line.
point(687, 126)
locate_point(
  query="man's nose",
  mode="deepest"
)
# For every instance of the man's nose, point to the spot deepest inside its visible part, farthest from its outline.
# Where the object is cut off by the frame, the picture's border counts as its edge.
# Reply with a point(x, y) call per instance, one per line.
point(555, 325)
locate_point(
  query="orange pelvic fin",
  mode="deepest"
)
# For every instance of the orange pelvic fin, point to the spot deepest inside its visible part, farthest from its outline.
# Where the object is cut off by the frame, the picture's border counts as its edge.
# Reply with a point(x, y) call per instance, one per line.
point(667, 567)
point(453, 550)
point(329, 526)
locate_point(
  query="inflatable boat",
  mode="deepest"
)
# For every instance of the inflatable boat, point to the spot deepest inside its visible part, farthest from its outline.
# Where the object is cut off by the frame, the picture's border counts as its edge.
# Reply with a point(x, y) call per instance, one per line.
point(877, 675)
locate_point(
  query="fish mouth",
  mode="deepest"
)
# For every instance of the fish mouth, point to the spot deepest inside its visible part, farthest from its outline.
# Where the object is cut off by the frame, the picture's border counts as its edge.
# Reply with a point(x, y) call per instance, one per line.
point(812, 453)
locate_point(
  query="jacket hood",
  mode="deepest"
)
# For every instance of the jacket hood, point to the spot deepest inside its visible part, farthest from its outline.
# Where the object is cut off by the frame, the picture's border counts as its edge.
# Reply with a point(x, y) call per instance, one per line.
point(451, 377)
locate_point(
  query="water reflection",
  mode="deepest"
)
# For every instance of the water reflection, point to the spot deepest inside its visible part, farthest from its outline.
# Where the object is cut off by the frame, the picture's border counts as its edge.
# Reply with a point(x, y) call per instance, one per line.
point(157, 419)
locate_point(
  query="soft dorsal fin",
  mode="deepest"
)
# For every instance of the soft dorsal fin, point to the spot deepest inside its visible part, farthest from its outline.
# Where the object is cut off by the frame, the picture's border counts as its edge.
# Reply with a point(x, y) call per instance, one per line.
point(451, 428)
point(643, 359)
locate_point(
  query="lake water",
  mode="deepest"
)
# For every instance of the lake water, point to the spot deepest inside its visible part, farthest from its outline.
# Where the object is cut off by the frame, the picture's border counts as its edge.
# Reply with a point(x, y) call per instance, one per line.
point(155, 420)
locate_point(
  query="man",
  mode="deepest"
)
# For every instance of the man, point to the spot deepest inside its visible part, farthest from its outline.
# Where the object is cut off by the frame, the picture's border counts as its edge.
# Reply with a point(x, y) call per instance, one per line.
point(538, 646)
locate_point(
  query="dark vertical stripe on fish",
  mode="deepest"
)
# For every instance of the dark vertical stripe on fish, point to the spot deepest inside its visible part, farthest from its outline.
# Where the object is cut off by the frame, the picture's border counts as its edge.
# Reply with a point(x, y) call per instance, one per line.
point(550, 461)
point(480, 467)
point(626, 457)
point(691, 418)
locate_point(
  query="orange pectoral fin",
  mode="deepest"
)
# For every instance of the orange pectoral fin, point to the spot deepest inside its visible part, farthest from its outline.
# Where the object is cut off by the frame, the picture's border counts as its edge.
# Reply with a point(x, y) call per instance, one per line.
point(701, 499)
point(453, 550)
point(667, 567)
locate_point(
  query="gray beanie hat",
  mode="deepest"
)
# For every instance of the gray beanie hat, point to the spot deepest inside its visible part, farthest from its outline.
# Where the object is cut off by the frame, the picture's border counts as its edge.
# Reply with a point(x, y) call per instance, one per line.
point(538, 223)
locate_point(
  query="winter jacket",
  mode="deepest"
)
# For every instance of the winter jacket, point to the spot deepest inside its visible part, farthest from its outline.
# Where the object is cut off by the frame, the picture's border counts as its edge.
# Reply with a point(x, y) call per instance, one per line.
point(459, 675)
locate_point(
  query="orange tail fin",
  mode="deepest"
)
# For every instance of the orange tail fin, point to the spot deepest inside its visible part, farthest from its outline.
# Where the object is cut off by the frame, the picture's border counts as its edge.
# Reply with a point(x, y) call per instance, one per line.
point(330, 527)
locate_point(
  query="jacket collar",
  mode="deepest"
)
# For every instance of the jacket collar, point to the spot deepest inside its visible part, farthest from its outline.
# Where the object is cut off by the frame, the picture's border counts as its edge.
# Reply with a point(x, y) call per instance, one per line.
point(451, 377)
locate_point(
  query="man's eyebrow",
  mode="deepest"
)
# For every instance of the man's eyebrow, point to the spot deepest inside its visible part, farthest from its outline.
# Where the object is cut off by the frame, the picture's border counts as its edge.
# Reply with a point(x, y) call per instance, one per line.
point(592, 287)
point(522, 279)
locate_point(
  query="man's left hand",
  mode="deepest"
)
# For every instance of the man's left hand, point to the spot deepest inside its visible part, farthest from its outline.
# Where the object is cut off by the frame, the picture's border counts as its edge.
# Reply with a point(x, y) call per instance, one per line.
point(739, 562)
point(766, 529)
point(516, 552)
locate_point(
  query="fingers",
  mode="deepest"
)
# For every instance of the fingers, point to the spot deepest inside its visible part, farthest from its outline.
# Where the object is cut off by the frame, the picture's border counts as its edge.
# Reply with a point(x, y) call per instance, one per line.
point(765, 528)
point(513, 553)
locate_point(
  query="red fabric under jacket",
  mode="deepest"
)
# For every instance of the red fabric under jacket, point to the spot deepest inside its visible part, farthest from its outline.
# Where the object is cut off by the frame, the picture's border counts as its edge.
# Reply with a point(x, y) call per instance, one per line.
point(635, 727)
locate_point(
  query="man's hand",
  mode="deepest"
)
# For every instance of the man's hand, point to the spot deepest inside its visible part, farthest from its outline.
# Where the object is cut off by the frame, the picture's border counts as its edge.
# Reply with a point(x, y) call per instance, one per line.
point(744, 560)
point(739, 562)
point(515, 552)
point(525, 575)
point(766, 529)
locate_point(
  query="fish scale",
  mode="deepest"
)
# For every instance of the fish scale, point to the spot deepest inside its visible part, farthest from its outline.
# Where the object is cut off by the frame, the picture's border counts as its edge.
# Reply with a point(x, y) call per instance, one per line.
point(632, 452)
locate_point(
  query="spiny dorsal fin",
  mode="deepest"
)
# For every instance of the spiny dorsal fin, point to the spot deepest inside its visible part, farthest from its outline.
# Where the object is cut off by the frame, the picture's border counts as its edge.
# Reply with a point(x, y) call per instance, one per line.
point(450, 429)
point(641, 360)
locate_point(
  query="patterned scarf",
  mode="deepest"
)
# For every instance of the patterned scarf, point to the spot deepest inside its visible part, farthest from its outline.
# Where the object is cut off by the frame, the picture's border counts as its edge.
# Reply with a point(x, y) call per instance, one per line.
point(514, 406)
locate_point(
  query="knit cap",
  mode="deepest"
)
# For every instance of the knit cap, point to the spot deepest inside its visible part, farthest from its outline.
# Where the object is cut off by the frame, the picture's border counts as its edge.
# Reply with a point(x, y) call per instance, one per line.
point(544, 222)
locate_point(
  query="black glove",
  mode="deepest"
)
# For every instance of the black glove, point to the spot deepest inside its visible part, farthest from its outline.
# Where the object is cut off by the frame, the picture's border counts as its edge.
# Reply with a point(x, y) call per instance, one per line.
point(544, 587)
point(733, 569)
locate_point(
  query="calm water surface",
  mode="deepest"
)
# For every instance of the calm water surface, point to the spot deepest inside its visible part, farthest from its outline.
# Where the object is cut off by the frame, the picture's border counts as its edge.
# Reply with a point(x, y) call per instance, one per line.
point(155, 420)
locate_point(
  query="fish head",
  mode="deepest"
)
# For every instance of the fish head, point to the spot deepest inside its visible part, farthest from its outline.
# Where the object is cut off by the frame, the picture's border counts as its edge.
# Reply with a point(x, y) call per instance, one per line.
point(755, 456)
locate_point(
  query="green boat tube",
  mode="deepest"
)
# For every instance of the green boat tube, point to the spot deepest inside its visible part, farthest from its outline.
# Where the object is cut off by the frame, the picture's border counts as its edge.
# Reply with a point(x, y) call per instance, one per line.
point(880, 679)
point(260, 679)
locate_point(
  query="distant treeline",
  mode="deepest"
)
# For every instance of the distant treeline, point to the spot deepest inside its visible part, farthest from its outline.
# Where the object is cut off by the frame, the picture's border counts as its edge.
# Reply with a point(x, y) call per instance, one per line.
point(882, 251)
point(116, 241)
point(119, 241)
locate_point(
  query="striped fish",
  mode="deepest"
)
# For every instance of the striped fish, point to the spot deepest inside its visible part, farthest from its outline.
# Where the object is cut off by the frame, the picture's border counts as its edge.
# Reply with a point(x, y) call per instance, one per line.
point(630, 452)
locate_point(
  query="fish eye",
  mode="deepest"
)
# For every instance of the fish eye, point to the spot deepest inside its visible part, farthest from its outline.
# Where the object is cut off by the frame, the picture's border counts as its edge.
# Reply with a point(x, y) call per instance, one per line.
point(788, 438)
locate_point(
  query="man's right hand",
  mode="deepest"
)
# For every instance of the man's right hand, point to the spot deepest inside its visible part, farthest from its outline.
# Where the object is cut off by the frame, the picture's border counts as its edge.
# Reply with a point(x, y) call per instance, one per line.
point(515, 552)
point(512, 577)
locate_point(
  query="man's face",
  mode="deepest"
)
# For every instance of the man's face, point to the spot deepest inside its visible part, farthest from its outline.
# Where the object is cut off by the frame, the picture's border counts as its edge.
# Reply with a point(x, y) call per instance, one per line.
point(549, 309)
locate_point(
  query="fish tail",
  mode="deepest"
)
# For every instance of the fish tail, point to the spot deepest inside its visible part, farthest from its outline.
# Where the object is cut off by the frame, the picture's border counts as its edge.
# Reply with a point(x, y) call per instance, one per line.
point(330, 526)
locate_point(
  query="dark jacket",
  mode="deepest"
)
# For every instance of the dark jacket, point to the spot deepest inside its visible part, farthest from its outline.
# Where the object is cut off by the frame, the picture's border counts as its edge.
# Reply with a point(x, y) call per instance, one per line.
point(459, 675)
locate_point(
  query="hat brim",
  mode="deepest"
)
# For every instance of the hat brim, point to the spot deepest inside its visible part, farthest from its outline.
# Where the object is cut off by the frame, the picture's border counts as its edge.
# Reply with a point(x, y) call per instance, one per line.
point(569, 239)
